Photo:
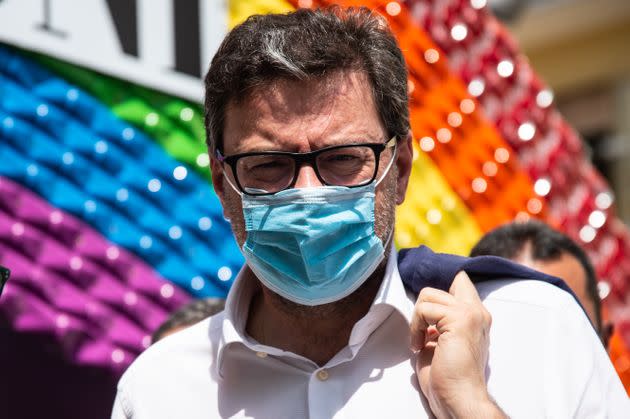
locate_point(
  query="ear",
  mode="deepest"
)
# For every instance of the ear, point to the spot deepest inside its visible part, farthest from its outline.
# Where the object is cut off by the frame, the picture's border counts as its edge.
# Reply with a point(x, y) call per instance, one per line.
point(218, 177)
point(404, 162)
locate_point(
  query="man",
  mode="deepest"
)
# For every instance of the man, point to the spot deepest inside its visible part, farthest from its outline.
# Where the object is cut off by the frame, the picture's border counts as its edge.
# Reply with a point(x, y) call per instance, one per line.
point(538, 246)
point(186, 316)
point(308, 129)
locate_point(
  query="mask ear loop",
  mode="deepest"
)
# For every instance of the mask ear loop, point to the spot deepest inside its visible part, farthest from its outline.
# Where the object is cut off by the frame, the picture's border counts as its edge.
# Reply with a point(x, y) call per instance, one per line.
point(390, 235)
point(389, 165)
point(229, 181)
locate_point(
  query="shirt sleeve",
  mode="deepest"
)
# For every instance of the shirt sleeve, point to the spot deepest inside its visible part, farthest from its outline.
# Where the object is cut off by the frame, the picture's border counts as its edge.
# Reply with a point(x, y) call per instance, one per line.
point(604, 395)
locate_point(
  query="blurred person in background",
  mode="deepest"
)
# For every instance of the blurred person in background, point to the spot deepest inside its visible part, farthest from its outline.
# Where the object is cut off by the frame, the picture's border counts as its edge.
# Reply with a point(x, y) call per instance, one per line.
point(187, 315)
point(538, 246)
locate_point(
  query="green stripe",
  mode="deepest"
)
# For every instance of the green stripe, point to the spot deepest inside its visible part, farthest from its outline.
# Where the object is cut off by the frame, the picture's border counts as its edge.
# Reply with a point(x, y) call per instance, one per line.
point(176, 124)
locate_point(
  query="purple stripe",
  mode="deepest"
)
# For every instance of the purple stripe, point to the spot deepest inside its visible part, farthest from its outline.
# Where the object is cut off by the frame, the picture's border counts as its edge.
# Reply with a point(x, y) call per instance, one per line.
point(99, 301)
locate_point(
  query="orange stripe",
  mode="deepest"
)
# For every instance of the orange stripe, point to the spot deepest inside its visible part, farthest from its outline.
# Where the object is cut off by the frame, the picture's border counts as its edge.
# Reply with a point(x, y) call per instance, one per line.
point(436, 93)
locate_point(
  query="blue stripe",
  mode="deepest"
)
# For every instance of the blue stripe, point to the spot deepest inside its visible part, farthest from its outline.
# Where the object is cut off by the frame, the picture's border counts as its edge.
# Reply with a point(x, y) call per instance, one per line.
point(65, 145)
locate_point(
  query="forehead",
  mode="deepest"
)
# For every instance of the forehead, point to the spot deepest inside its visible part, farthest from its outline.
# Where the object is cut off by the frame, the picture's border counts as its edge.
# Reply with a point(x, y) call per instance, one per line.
point(566, 267)
point(303, 115)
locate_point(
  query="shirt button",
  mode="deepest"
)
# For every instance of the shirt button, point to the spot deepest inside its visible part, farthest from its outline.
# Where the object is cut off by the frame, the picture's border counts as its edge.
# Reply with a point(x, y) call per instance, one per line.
point(261, 354)
point(322, 375)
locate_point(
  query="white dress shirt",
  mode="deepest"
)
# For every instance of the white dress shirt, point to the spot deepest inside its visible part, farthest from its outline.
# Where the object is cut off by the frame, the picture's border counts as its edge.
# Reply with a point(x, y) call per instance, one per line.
point(545, 361)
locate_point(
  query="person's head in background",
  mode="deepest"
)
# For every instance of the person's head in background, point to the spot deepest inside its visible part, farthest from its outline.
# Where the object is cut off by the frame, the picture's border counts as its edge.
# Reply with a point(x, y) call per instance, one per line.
point(187, 315)
point(538, 246)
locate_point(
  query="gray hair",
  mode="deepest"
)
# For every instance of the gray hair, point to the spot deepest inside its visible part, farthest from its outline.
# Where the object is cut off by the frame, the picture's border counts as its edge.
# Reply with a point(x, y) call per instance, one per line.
point(302, 45)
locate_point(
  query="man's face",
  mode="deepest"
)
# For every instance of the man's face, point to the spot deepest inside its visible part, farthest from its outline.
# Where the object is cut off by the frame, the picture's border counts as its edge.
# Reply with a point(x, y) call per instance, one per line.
point(306, 116)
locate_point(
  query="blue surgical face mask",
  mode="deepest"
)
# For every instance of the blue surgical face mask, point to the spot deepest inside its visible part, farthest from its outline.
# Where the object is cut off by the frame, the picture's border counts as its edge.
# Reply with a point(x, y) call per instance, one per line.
point(315, 245)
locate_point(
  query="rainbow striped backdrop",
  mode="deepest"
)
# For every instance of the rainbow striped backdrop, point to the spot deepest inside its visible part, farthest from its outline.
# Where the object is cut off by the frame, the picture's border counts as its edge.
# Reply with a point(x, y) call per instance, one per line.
point(109, 222)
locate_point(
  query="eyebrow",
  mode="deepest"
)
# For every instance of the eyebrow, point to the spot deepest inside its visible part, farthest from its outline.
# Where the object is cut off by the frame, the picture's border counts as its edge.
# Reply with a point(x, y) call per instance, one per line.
point(325, 144)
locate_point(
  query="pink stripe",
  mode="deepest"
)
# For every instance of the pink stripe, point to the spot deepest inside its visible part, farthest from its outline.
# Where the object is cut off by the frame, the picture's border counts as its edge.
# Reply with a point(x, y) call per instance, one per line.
point(98, 300)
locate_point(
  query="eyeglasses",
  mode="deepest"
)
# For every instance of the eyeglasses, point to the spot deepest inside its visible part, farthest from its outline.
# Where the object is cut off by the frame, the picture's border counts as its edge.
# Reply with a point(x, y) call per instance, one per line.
point(4, 277)
point(269, 172)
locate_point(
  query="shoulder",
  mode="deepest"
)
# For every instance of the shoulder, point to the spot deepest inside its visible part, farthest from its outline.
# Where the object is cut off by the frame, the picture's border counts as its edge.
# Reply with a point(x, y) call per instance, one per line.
point(194, 344)
point(533, 295)
point(541, 335)
point(535, 308)
point(539, 314)
point(188, 354)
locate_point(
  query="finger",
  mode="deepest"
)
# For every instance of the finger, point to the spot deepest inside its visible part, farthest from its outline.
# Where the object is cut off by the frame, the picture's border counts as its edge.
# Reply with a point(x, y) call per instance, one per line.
point(431, 335)
point(423, 367)
point(433, 314)
point(417, 332)
point(463, 289)
point(434, 295)
point(425, 315)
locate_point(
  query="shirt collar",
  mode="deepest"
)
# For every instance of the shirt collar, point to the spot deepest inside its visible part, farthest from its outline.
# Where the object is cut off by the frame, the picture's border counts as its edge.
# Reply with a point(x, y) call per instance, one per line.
point(392, 291)
point(391, 297)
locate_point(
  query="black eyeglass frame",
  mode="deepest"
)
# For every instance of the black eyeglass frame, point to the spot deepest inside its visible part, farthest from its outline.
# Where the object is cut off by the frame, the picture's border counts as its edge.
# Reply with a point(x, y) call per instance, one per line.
point(301, 158)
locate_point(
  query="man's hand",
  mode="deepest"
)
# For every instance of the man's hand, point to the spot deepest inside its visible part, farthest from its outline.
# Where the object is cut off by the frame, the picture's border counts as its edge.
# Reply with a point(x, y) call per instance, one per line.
point(450, 329)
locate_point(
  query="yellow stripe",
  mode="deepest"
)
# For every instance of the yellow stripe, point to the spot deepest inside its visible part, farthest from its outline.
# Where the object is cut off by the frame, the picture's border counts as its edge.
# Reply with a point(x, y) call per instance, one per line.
point(242, 9)
point(429, 196)
point(433, 214)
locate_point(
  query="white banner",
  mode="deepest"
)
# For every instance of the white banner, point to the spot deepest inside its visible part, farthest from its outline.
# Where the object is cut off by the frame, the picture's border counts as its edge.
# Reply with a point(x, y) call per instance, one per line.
point(163, 44)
